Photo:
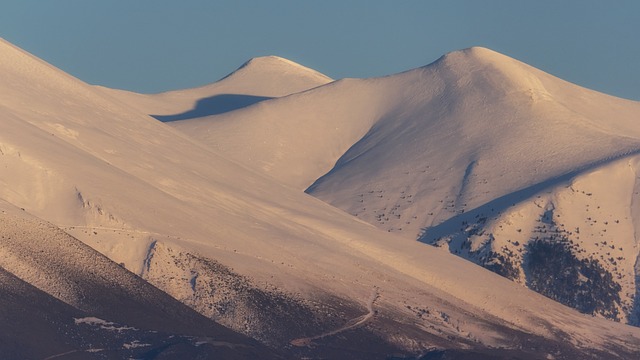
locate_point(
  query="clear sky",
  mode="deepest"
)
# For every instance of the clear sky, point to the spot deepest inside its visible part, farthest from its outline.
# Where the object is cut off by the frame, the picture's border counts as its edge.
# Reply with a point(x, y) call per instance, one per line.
point(157, 45)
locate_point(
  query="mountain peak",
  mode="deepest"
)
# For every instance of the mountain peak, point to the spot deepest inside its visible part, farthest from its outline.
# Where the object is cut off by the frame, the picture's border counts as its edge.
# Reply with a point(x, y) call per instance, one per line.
point(476, 54)
point(276, 65)
point(270, 60)
point(490, 70)
point(484, 53)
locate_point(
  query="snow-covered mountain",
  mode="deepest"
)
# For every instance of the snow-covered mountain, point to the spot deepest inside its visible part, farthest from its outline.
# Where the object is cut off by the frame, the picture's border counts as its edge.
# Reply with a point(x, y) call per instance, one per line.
point(253, 254)
point(477, 152)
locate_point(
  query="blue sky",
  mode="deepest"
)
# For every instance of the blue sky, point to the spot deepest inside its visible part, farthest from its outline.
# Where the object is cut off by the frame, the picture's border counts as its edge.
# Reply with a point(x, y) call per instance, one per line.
point(157, 45)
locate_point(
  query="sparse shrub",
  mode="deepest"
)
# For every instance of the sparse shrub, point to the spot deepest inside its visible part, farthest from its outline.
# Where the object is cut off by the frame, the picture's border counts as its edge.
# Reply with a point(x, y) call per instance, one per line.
point(501, 265)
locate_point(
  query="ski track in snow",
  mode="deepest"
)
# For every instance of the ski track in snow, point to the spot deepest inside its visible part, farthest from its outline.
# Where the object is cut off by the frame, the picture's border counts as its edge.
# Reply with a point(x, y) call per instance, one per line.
point(216, 343)
point(57, 356)
point(63, 354)
point(354, 323)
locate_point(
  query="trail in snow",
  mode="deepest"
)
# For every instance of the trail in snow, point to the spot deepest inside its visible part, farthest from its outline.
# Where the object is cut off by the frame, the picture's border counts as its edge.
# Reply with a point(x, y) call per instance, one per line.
point(361, 320)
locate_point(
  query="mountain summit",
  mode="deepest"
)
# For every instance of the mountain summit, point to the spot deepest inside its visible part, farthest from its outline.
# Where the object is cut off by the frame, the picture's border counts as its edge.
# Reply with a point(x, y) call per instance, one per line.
point(276, 76)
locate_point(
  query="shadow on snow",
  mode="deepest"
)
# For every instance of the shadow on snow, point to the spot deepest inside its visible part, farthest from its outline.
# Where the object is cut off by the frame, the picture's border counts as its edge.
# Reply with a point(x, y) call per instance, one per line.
point(214, 105)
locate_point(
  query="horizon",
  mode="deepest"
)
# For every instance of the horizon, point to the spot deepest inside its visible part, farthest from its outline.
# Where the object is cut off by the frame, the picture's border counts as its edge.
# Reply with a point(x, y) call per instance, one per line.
point(157, 46)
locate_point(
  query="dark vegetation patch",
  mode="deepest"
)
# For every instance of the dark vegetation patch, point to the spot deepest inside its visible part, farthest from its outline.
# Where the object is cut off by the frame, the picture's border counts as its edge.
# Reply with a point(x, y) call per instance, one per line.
point(554, 271)
point(501, 265)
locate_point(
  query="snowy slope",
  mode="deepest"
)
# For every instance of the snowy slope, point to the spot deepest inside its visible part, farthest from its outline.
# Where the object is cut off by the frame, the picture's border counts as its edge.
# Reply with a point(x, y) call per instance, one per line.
point(297, 138)
point(573, 240)
point(263, 258)
point(258, 79)
point(56, 293)
point(494, 127)
point(474, 131)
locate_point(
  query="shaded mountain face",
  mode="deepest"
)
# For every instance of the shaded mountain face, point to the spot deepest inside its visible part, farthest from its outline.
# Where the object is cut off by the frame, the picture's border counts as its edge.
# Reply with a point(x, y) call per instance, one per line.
point(472, 153)
point(61, 298)
point(258, 256)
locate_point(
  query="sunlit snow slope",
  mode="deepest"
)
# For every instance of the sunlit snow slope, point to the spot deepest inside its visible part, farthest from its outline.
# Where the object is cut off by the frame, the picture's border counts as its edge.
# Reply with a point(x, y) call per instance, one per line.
point(445, 153)
point(259, 79)
point(261, 257)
